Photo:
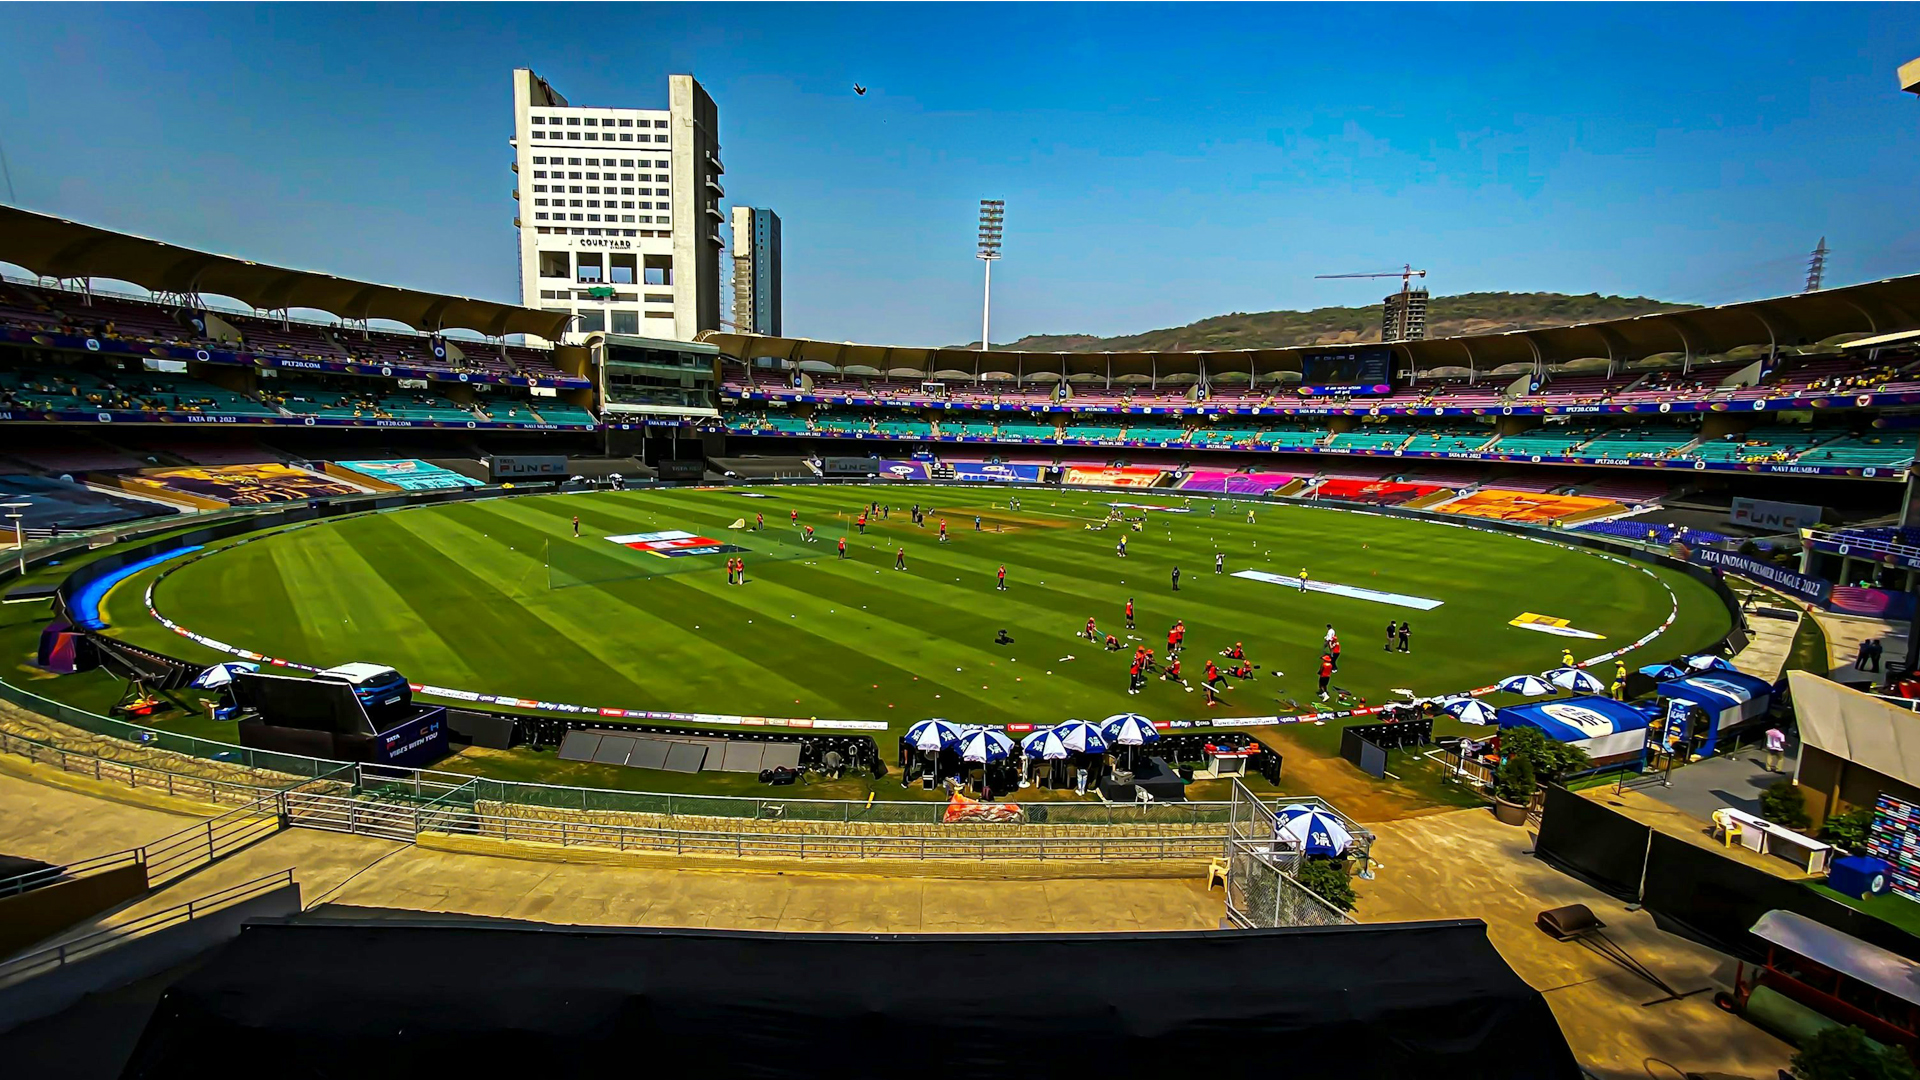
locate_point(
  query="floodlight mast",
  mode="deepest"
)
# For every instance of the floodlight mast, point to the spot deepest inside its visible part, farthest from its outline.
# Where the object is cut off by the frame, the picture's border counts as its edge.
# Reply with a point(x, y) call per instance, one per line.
point(993, 214)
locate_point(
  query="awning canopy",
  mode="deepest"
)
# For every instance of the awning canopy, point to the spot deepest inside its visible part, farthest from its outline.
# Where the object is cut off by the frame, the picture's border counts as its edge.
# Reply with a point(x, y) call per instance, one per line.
point(1857, 727)
point(1848, 955)
point(1718, 690)
point(1874, 307)
point(57, 248)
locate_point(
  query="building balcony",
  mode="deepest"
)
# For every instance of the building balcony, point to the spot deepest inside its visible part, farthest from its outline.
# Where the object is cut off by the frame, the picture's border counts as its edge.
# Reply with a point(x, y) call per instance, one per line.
point(718, 191)
point(714, 161)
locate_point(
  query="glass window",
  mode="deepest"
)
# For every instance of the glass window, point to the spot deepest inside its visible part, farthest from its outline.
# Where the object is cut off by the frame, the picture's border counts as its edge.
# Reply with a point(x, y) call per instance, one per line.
point(593, 217)
point(539, 119)
point(624, 137)
point(659, 123)
point(540, 216)
point(591, 136)
point(578, 217)
point(625, 322)
point(573, 161)
point(573, 121)
point(591, 122)
point(539, 161)
point(626, 123)
point(574, 135)
point(593, 322)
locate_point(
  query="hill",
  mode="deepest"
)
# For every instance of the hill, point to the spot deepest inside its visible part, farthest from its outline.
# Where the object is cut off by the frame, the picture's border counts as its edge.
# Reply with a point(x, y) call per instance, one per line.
point(1447, 316)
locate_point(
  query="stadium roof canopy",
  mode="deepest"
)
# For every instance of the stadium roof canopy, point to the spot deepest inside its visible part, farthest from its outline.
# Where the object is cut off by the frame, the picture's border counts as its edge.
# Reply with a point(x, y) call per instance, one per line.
point(56, 248)
point(1875, 307)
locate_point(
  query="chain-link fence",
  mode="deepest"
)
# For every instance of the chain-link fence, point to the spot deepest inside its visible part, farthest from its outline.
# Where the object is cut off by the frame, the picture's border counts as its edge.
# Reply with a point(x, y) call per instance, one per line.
point(1262, 892)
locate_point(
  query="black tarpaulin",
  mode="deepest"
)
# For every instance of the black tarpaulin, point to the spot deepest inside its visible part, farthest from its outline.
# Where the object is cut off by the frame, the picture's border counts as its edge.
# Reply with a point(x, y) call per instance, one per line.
point(333, 998)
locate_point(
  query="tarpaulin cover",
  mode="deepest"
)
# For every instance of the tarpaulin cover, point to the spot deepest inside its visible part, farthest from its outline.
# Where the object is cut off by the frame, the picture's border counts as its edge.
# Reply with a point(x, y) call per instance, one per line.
point(1603, 726)
point(1600, 846)
point(1380, 1000)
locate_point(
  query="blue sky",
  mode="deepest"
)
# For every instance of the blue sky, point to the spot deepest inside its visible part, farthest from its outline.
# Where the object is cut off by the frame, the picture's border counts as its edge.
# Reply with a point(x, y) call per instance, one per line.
point(1160, 164)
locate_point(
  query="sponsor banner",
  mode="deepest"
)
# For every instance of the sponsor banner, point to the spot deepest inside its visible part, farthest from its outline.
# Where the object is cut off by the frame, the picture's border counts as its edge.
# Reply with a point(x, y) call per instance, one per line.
point(904, 470)
point(1547, 624)
point(1805, 586)
point(978, 471)
point(1765, 514)
point(681, 468)
point(527, 466)
point(1144, 506)
point(850, 466)
point(1873, 603)
point(248, 485)
point(674, 544)
point(410, 474)
point(206, 355)
point(1122, 477)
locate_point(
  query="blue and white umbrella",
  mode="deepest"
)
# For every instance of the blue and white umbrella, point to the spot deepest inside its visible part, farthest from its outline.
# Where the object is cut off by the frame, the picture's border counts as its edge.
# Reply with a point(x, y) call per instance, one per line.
point(1128, 729)
point(1471, 711)
point(1045, 745)
point(1663, 672)
point(1576, 680)
point(220, 675)
point(984, 744)
point(1709, 662)
point(930, 735)
point(1526, 685)
point(1312, 830)
point(1081, 737)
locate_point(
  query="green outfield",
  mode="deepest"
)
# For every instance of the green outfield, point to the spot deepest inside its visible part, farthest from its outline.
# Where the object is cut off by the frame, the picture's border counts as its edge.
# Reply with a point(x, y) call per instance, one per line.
point(498, 597)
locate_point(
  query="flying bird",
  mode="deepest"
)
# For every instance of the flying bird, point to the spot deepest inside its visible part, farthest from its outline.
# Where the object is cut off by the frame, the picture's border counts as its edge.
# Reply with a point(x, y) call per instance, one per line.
point(859, 90)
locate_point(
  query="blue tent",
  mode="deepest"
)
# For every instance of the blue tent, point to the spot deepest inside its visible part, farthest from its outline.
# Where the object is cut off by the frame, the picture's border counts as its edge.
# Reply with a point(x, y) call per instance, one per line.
point(1603, 727)
point(1727, 697)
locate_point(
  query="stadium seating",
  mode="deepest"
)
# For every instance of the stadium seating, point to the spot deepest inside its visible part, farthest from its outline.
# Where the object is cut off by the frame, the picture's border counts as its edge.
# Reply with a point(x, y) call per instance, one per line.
point(1530, 508)
point(1881, 449)
point(1373, 492)
point(1641, 441)
point(553, 412)
point(68, 387)
point(1235, 483)
point(66, 506)
point(1448, 439)
point(1764, 443)
point(1652, 532)
point(1369, 437)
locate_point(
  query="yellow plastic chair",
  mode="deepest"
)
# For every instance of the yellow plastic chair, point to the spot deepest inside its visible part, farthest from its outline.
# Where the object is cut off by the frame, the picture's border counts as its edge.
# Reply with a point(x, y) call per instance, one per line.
point(1216, 871)
point(1729, 828)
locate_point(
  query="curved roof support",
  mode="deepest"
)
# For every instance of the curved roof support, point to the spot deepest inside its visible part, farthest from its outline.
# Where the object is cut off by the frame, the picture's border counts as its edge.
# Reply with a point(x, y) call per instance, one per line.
point(1472, 372)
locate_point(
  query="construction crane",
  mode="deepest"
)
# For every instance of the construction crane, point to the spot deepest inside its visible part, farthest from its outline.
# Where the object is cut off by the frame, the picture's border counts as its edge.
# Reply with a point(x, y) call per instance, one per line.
point(1406, 274)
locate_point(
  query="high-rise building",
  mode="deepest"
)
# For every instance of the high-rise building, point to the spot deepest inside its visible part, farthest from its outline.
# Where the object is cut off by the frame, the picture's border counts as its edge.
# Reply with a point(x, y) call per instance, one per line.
point(619, 210)
point(1405, 316)
point(756, 270)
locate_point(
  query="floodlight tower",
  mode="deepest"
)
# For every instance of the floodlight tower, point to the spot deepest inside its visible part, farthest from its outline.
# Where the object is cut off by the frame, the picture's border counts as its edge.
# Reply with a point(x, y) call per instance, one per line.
point(993, 214)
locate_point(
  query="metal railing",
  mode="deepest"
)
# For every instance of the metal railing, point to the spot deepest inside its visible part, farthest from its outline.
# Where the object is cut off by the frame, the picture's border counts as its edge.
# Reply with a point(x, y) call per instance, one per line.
point(1262, 892)
point(1083, 848)
point(172, 856)
point(133, 774)
point(28, 965)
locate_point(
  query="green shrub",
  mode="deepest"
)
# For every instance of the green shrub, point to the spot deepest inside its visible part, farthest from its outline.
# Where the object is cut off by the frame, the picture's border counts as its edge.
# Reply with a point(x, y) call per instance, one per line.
point(1843, 1053)
point(1328, 879)
point(1848, 830)
point(1514, 781)
point(1783, 804)
point(1550, 758)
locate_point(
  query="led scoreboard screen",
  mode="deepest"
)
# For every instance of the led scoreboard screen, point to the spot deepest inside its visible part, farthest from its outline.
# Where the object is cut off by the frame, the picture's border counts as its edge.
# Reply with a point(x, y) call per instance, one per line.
point(1359, 370)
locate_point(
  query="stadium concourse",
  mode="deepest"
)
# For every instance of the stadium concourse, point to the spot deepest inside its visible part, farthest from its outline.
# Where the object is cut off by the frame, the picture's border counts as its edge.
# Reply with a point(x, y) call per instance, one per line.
point(767, 634)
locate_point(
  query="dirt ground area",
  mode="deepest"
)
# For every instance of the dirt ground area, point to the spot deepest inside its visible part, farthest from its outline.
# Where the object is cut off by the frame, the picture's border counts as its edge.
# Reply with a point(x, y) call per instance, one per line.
point(1359, 796)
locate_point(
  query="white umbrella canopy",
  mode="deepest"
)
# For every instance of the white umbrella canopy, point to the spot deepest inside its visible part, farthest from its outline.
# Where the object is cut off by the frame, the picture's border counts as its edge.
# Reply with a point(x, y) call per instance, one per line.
point(1081, 737)
point(1576, 680)
point(984, 744)
point(220, 675)
point(1471, 711)
point(1045, 745)
point(934, 734)
point(1129, 729)
point(1525, 685)
point(1315, 831)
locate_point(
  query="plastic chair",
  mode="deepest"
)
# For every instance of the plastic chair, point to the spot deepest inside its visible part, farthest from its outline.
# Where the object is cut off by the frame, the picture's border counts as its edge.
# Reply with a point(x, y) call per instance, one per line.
point(1216, 871)
point(1729, 828)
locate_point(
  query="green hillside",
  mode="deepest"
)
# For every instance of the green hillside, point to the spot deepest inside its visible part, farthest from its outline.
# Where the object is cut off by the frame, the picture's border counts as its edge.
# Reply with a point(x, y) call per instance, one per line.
point(1447, 316)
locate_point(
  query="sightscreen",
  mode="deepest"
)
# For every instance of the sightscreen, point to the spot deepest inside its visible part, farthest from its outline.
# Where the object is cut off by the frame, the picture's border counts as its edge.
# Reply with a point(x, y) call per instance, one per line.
point(1347, 371)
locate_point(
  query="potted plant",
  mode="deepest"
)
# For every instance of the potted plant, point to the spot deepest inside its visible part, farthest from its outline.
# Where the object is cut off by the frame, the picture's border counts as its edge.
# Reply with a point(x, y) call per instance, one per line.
point(1513, 784)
